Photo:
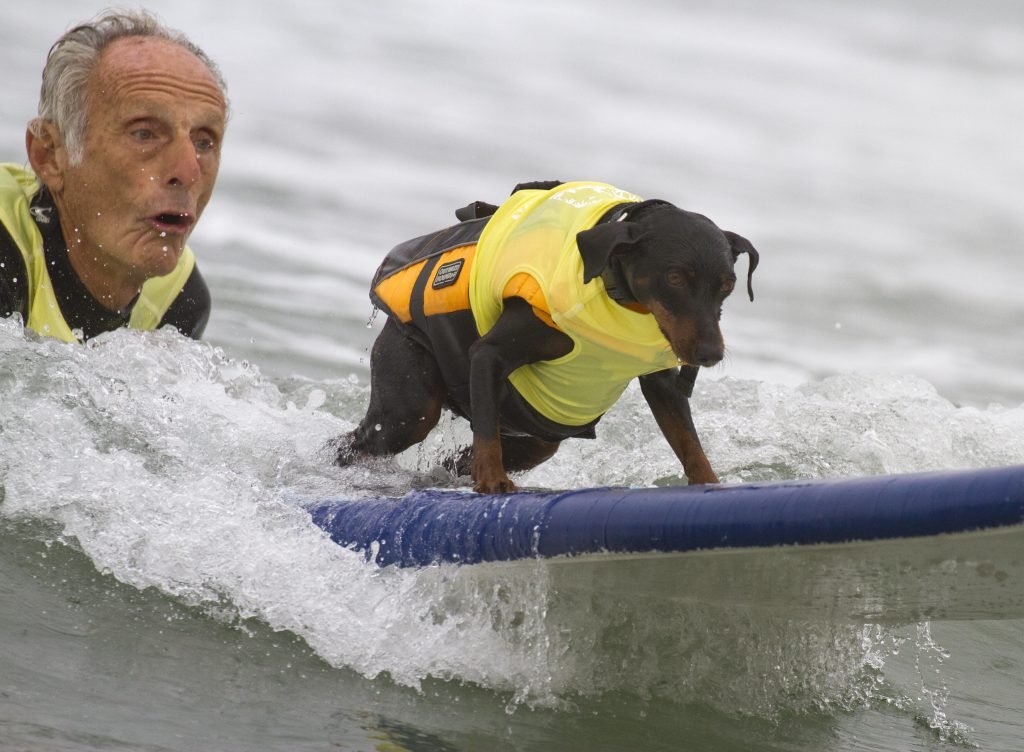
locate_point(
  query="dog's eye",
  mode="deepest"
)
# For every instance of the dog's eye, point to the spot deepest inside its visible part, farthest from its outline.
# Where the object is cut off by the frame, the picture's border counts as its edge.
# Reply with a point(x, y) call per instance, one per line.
point(678, 277)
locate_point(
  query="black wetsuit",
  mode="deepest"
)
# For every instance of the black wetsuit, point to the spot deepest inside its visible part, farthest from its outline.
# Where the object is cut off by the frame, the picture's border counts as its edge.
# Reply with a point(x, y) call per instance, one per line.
point(188, 313)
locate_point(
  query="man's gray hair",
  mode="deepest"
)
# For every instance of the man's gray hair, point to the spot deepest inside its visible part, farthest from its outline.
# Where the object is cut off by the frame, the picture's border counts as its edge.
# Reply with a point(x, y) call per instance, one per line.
point(63, 97)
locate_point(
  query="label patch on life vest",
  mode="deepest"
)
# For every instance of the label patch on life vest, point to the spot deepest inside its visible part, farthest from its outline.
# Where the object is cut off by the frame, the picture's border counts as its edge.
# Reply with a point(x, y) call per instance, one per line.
point(447, 274)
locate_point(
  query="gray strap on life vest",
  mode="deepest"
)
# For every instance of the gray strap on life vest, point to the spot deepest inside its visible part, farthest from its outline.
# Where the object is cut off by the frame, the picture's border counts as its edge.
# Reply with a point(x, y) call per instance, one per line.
point(475, 210)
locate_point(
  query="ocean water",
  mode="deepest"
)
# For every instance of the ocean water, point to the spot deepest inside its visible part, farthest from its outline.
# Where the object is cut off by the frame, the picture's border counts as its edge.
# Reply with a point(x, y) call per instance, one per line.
point(161, 590)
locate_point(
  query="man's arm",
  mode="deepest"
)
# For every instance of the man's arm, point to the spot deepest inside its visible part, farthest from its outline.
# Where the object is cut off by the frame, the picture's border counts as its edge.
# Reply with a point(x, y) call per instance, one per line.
point(13, 277)
point(191, 309)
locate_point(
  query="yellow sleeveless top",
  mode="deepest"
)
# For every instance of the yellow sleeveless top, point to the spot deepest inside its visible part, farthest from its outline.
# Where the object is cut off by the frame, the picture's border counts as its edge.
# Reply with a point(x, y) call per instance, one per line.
point(534, 232)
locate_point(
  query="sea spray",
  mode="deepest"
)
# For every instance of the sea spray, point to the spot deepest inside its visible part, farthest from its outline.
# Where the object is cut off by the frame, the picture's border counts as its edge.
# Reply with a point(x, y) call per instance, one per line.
point(176, 468)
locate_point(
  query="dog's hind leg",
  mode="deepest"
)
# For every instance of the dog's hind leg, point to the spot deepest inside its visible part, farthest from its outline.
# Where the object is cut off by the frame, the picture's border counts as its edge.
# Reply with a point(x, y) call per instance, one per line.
point(407, 393)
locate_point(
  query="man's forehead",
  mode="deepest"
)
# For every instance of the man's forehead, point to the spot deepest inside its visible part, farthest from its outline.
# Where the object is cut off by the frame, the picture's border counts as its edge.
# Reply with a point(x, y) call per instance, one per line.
point(137, 66)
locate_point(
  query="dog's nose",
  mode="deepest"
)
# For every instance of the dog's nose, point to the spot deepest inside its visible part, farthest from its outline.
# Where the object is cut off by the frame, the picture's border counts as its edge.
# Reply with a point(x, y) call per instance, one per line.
point(708, 355)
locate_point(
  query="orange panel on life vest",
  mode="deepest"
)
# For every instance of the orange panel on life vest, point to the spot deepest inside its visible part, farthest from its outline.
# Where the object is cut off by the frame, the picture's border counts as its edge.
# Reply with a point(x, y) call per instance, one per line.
point(448, 289)
point(395, 290)
point(524, 286)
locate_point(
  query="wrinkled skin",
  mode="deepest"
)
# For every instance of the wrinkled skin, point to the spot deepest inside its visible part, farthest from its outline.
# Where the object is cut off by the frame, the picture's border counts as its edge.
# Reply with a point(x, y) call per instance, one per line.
point(155, 122)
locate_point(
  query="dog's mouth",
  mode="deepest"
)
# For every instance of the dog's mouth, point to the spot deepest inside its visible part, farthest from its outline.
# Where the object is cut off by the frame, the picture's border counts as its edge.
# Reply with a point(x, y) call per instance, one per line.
point(691, 344)
point(683, 347)
point(694, 353)
point(682, 350)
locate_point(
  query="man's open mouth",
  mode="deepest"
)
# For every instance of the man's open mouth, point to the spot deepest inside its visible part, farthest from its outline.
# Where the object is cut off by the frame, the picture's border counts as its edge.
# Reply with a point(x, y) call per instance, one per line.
point(172, 222)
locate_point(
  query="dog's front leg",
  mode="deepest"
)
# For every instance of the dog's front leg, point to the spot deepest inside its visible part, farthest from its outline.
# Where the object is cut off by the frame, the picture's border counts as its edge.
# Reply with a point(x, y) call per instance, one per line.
point(671, 407)
point(517, 338)
point(486, 381)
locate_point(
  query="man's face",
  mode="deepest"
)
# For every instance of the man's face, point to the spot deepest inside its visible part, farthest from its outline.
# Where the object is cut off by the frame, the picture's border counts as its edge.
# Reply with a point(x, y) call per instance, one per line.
point(155, 122)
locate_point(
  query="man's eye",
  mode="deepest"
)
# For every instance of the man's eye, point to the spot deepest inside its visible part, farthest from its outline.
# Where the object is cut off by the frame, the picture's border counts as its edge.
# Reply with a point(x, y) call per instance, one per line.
point(143, 134)
point(205, 144)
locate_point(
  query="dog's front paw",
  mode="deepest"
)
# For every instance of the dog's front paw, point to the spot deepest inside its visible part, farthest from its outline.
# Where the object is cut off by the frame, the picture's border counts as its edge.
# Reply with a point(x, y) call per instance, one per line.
point(494, 486)
point(701, 477)
point(489, 474)
point(491, 479)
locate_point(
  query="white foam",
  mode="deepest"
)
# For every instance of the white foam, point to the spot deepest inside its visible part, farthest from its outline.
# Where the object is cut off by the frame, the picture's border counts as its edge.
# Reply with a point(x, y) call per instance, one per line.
point(176, 468)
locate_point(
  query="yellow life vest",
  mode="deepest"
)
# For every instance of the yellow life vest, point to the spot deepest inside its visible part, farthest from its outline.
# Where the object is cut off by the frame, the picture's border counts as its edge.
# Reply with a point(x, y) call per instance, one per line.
point(17, 188)
point(534, 232)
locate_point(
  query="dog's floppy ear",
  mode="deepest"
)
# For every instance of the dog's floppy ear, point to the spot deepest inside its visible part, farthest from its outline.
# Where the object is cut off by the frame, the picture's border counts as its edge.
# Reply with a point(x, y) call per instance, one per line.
point(740, 245)
point(599, 243)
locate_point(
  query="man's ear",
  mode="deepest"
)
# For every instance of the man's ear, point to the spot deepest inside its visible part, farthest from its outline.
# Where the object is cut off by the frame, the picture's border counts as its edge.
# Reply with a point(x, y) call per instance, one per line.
point(740, 244)
point(599, 243)
point(46, 153)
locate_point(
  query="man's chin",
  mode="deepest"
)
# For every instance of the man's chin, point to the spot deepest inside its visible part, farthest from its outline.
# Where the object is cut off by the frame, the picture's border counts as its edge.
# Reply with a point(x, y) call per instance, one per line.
point(162, 260)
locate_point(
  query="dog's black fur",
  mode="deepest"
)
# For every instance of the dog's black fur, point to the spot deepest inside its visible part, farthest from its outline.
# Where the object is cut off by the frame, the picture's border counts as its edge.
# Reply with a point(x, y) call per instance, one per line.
point(660, 259)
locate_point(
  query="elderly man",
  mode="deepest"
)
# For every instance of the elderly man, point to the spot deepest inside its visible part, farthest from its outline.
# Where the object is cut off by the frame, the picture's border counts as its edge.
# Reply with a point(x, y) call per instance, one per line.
point(124, 156)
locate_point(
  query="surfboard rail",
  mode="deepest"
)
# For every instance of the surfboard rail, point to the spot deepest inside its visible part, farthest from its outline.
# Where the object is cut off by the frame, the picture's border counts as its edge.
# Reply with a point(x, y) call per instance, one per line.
point(433, 526)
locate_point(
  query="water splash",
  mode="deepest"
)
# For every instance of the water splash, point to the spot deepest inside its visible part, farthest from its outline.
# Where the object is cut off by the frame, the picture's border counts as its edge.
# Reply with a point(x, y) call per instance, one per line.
point(172, 466)
point(846, 425)
point(918, 685)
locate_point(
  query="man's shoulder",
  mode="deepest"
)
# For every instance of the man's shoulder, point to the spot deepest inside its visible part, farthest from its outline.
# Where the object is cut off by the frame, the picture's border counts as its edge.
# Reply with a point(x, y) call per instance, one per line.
point(190, 310)
point(17, 179)
point(18, 187)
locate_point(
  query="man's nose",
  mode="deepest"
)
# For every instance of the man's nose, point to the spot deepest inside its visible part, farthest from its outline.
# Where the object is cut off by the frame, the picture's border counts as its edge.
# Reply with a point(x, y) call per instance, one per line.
point(183, 167)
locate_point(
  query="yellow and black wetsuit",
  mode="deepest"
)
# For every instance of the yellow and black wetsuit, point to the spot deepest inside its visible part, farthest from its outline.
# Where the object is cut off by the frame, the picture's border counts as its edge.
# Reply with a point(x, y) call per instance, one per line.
point(38, 281)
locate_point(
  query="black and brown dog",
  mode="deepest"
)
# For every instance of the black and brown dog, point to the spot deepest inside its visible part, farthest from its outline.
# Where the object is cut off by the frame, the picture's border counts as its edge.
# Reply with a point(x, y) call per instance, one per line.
point(653, 265)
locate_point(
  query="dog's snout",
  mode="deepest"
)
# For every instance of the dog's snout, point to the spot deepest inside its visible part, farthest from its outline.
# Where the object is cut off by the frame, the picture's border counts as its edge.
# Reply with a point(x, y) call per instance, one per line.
point(698, 343)
point(709, 354)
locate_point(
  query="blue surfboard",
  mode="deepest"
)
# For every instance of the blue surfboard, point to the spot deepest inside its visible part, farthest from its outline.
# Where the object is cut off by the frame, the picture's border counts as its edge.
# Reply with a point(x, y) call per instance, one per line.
point(946, 545)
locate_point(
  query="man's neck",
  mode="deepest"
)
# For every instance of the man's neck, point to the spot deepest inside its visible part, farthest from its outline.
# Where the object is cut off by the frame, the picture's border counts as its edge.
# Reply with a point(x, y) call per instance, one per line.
point(113, 290)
